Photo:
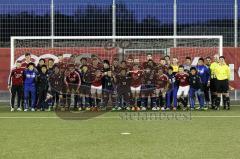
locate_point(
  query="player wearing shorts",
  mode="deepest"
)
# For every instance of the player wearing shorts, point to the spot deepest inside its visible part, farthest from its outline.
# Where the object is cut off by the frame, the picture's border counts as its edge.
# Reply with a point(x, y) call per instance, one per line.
point(72, 81)
point(56, 83)
point(148, 89)
point(85, 88)
point(162, 84)
point(222, 72)
point(123, 86)
point(109, 89)
point(182, 79)
point(136, 76)
point(96, 85)
point(213, 81)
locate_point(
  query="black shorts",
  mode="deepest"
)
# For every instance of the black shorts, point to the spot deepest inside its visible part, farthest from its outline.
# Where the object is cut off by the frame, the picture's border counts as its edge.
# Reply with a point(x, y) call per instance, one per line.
point(148, 90)
point(222, 86)
point(85, 89)
point(213, 87)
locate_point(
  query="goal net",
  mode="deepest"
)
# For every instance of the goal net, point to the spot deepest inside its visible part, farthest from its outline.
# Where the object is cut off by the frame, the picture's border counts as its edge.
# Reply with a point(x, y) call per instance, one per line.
point(111, 47)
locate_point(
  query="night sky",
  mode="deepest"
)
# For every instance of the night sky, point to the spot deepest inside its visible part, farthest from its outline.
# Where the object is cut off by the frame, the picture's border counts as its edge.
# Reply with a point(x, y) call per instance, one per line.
point(188, 10)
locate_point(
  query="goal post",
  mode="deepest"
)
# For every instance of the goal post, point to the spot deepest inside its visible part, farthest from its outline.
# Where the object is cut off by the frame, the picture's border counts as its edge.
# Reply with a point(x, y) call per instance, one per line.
point(121, 47)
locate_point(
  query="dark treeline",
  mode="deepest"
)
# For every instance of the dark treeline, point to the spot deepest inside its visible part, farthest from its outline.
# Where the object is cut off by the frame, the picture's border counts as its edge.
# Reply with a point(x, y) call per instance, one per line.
point(97, 21)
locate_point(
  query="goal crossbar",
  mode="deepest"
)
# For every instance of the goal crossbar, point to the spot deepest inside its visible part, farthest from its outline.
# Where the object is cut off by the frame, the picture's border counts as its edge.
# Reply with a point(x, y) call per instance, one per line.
point(13, 38)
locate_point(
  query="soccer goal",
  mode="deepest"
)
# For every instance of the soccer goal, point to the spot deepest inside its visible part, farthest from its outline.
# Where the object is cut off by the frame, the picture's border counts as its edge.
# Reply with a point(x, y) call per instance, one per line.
point(111, 47)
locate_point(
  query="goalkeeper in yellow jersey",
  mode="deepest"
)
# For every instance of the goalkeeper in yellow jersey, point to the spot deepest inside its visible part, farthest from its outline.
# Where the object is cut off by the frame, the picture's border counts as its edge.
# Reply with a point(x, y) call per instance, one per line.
point(222, 73)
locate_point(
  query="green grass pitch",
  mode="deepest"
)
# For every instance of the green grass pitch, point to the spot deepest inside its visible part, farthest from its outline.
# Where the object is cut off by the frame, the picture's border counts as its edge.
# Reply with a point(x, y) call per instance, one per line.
point(43, 135)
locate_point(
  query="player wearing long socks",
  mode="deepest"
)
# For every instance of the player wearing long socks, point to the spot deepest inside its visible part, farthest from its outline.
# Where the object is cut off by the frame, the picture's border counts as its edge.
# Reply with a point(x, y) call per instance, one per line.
point(213, 81)
point(222, 72)
point(136, 76)
point(182, 79)
point(148, 88)
point(72, 81)
point(162, 85)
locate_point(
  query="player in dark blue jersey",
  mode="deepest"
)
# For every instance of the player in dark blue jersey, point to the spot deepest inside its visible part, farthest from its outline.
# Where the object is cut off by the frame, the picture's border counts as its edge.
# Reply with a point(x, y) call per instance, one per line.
point(29, 77)
point(204, 73)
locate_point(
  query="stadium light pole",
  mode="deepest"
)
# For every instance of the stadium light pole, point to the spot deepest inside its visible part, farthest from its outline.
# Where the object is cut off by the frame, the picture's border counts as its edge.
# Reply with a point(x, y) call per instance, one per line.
point(114, 19)
point(52, 22)
point(175, 22)
point(235, 32)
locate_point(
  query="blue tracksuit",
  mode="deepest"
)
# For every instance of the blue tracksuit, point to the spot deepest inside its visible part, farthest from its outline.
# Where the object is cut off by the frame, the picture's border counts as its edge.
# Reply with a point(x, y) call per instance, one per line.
point(171, 94)
point(196, 90)
point(29, 87)
point(204, 73)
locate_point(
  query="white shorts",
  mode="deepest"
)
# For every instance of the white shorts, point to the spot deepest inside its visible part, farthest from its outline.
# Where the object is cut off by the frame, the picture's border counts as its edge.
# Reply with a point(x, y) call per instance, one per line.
point(136, 89)
point(183, 90)
point(95, 89)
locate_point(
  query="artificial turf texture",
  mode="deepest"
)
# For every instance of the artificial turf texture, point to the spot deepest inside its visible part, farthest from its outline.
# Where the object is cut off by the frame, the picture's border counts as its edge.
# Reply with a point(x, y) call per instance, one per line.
point(32, 135)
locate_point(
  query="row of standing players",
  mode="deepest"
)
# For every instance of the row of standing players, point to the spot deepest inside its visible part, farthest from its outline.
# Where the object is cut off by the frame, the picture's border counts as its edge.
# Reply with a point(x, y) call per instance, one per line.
point(129, 85)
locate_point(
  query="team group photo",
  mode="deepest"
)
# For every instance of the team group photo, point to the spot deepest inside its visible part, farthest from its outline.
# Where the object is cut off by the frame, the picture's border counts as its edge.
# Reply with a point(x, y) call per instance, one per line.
point(90, 84)
point(119, 79)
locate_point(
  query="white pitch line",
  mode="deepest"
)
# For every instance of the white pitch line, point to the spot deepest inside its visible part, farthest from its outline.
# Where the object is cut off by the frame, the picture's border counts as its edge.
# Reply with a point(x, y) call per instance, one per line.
point(110, 117)
point(125, 133)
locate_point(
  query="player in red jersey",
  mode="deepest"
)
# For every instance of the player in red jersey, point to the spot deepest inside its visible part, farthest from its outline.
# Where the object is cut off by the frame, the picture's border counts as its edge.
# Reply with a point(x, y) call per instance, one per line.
point(27, 60)
point(96, 84)
point(72, 81)
point(15, 85)
point(182, 78)
point(149, 62)
point(162, 83)
point(148, 88)
point(136, 76)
